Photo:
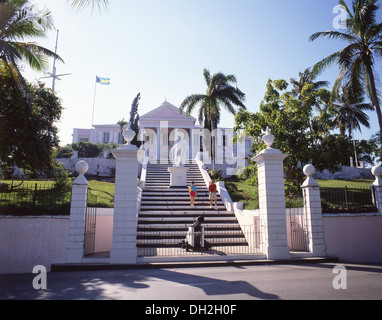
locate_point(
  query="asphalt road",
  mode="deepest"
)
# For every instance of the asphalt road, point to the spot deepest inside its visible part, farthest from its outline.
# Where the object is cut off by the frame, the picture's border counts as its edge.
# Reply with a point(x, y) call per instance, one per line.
point(280, 282)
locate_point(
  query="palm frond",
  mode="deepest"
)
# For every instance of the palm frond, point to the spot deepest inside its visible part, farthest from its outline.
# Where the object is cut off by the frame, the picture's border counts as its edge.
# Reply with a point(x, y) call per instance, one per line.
point(190, 102)
point(345, 6)
point(324, 63)
point(207, 77)
point(332, 35)
point(81, 4)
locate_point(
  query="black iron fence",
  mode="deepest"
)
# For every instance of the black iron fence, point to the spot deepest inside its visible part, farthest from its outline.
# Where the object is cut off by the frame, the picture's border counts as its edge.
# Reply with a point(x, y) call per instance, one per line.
point(347, 200)
point(34, 199)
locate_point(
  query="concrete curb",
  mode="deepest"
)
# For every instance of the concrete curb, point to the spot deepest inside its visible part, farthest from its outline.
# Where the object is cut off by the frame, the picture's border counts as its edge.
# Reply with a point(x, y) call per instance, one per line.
point(199, 264)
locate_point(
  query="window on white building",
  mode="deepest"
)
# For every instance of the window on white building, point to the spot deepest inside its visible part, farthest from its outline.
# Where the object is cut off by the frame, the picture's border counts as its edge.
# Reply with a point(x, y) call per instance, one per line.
point(106, 137)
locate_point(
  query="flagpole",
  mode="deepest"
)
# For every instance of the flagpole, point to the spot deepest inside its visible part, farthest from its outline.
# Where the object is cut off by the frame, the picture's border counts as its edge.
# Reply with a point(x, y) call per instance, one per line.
point(94, 100)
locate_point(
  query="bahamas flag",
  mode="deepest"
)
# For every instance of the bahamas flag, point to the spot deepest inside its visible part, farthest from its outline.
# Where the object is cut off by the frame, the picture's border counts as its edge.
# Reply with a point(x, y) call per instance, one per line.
point(104, 81)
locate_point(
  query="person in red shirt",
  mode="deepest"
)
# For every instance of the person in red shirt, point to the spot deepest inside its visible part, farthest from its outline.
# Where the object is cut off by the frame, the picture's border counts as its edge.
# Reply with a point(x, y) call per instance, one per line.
point(213, 189)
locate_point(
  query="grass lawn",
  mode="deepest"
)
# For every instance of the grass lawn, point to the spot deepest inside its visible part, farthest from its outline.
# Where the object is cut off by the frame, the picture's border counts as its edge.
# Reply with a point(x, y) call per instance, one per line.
point(360, 183)
point(101, 194)
point(240, 191)
point(46, 200)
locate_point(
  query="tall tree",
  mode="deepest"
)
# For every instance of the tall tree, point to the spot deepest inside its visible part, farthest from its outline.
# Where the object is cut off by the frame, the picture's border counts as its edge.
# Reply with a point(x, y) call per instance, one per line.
point(307, 78)
point(122, 124)
point(19, 19)
point(298, 132)
point(221, 92)
point(356, 61)
point(28, 134)
point(134, 119)
point(349, 110)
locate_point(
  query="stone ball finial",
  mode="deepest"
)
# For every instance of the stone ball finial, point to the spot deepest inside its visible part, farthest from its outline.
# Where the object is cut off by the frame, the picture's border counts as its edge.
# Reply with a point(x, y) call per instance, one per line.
point(82, 167)
point(309, 170)
point(376, 171)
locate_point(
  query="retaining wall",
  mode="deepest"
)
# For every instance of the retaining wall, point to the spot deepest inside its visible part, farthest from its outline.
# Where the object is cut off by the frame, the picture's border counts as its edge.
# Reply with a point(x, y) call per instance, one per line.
point(29, 241)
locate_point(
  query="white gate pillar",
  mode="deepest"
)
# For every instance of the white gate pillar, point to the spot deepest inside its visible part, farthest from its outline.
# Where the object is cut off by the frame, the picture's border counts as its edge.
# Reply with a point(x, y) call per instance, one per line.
point(124, 248)
point(76, 235)
point(377, 186)
point(313, 213)
point(272, 201)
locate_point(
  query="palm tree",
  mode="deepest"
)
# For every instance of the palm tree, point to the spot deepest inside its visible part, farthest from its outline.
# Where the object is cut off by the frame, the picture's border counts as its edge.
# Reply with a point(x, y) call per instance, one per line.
point(122, 124)
point(356, 60)
point(221, 92)
point(307, 77)
point(350, 113)
point(21, 20)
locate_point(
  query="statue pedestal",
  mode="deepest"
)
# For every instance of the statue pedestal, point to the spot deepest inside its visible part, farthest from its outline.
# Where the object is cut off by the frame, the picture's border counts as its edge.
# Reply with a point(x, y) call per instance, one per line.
point(178, 177)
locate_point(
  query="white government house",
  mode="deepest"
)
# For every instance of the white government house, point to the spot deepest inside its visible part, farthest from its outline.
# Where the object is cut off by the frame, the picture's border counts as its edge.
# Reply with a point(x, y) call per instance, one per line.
point(159, 129)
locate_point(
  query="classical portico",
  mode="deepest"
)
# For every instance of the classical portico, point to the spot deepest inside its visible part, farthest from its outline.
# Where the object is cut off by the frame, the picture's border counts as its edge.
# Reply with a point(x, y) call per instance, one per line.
point(160, 128)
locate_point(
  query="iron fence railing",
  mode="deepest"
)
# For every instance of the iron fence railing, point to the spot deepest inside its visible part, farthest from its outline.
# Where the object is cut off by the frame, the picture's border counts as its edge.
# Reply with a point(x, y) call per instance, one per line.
point(34, 199)
point(347, 200)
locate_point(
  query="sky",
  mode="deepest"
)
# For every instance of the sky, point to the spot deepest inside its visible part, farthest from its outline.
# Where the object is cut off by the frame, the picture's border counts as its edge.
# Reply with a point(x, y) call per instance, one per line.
point(160, 48)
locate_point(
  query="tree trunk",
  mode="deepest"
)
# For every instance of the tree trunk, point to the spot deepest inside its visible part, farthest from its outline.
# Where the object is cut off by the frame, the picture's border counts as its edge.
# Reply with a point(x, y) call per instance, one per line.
point(374, 99)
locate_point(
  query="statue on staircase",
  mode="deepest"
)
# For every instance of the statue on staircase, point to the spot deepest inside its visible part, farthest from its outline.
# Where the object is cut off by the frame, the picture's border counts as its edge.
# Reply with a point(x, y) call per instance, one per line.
point(179, 151)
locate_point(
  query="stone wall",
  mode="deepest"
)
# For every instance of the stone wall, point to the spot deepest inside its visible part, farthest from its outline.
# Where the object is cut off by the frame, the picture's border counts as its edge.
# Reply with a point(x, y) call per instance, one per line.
point(345, 173)
point(99, 167)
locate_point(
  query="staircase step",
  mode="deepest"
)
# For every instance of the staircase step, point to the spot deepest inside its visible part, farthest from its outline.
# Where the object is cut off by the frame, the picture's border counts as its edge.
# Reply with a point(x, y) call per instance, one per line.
point(183, 208)
point(166, 215)
point(178, 220)
point(196, 214)
point(184, 227)
point(173, 191)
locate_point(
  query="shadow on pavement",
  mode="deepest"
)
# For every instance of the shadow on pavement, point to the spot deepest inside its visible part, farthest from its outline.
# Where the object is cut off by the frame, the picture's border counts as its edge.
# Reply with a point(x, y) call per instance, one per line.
point(120, 284)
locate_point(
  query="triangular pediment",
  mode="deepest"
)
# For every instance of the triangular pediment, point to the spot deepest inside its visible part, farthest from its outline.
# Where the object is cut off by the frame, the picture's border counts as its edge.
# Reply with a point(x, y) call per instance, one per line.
point(167, 111)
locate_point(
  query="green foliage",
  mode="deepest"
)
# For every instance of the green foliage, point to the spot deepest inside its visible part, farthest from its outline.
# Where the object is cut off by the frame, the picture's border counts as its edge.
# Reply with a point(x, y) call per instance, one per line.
point(64, 152)
point(301, 133)
point(134, 120)
point(215, 174)
point(249, 174)
point(356, 61)
point(91, 150)
point(28, 134)
point(221, 92)
point(62, 180)
point(240, 191)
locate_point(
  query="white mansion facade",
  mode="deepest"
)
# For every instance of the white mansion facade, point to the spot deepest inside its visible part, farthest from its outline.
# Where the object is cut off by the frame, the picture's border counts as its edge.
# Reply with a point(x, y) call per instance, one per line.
point(159, 129)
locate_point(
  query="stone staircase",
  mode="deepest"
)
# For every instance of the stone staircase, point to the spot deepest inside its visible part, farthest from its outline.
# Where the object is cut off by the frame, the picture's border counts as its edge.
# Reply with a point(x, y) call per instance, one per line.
point(166, 215)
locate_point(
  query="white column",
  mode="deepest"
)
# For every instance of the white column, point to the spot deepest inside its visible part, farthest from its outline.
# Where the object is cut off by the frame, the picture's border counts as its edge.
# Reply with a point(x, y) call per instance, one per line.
point(75, 136)
point(218, 133)
point(124, 248)
point(76, 235)
point(377, 187)
point(163, 142)
point(158, 144)
point(272, 201)
point(313, 213)
point(191, 152)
